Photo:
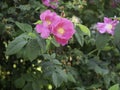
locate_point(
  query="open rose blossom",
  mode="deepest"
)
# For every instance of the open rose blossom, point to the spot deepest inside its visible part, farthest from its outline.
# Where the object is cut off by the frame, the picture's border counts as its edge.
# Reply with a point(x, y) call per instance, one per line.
point(60, 28)
point(108, 26)
point(47, 18)
point(51, 3)
point(63, 30)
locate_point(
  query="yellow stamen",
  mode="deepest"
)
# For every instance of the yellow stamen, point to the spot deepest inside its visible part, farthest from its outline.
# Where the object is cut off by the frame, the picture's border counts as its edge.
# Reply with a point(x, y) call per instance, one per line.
point(61, 31)
point(48, 22)
point(109, 26)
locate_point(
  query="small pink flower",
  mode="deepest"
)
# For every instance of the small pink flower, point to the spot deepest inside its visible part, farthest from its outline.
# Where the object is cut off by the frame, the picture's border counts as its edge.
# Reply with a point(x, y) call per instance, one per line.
point(63, 30)
point(108, 26)
point(51, 3)
point(46, 2)
point(47, 18)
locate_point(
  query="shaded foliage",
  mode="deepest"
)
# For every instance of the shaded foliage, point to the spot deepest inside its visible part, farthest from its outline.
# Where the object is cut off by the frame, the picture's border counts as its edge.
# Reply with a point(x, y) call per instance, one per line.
point(89, 62)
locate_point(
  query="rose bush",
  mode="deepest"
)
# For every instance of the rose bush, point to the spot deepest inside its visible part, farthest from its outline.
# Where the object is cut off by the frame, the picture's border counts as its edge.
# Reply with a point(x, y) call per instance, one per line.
point(59, 45)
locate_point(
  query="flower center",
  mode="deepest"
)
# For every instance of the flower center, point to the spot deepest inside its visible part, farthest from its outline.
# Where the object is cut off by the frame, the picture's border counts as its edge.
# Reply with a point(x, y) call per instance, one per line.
point(61, 31)
point(48, 22)
point(109, 26)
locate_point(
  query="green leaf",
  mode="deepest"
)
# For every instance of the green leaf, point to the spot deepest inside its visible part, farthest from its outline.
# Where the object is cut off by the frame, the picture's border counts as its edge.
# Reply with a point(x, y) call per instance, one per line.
point(28, 86)
point(1, 28)
point(53, 55)
point(19, 83)
point(107, 48)
point(42, 44)
point(71, 78)
point(101, 40)
point(38, 22)
point(79, 36)
point(25, 7)
point(28, 77)
point(107, 79)
point(78, 88)
point(116, 38)
point(47, 56)
point(55, 61)
point(114, 87)
point(56, 79)
point(118, 66)
point(32, 49)
point(84, 29)
point(36, 85)
point(94, 85)
point(55, 43)
point(16, 45)
point(94, 65)
point(32, 35)
point(24, 27)
point(62, 74)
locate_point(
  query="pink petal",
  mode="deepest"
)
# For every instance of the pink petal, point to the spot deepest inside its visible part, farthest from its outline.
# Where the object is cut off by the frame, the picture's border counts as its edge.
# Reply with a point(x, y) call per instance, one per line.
point(46, 2)
point(101, 27)
point(107, 20)
point(45, 32)
point(61, 41)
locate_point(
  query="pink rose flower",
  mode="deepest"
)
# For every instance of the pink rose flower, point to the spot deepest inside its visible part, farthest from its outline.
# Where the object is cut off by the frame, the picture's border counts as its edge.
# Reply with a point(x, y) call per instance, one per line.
point(108, 26)
point(63, 30)
point(51, 3)
point(47, 18)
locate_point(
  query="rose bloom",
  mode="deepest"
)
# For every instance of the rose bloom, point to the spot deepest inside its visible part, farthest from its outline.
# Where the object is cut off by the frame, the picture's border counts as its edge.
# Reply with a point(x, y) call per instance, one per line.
point(108, 26)
point(63, 30)
point(47, 18)
point(51, 3)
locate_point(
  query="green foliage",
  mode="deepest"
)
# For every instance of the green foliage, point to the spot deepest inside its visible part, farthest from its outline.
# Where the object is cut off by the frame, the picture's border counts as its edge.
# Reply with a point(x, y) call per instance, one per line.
point(32, 49)
point(84, 29)
point(114, 87)
point(79, 36)
point(16, 45)
point(101, 40)
point(90, 61)
point(20, 82)
point(117, 35)
point(96, 65)
point(24, 27)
